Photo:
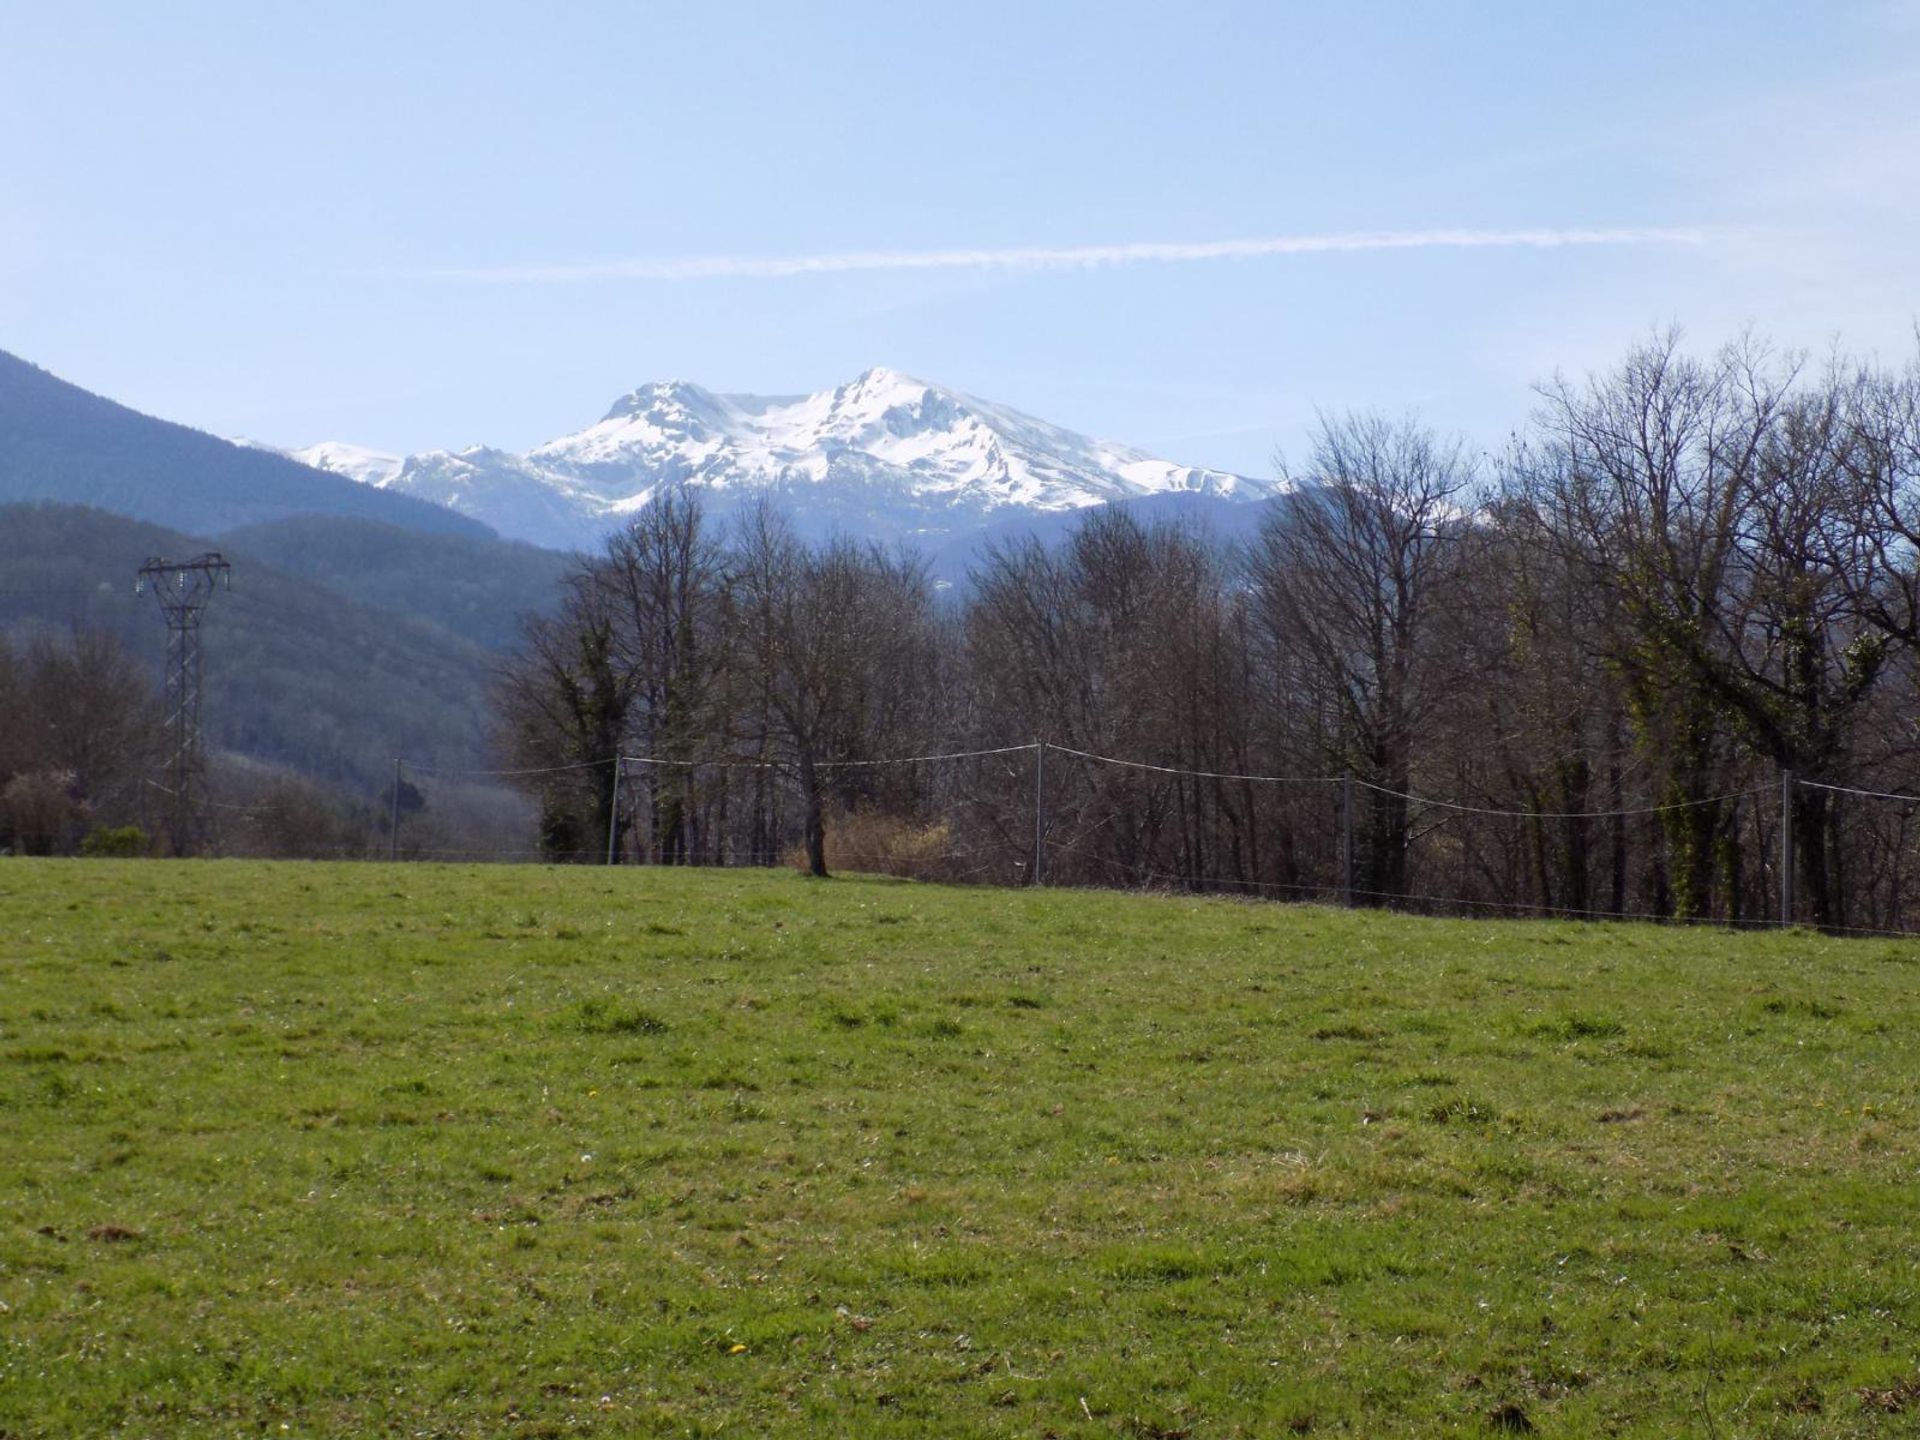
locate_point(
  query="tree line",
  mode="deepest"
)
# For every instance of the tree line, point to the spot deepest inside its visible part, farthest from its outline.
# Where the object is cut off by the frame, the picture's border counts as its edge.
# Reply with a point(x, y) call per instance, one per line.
point(1685, 577)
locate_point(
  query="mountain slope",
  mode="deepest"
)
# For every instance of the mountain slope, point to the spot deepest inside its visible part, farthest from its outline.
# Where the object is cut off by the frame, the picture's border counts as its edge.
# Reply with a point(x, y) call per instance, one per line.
point(885, 456)
point(63, 444)
point(297, 675)
point(480, 589)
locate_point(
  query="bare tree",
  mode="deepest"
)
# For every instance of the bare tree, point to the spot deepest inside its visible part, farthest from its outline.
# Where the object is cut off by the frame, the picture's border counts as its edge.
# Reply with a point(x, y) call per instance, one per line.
point(1799, 656)
point(564, 704)
point(1352, 575)
point(81, 736)
point(1882, 463)
point(1714, 503)
point(836, 639)
point(1129, 641)
point(1647, 492)
point(663, 575)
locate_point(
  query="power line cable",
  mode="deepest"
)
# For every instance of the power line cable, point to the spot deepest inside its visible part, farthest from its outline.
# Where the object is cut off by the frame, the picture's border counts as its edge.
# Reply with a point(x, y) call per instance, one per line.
point(1193, 774)
point(1850, 790)
point(420, 767)
point(1561, 814)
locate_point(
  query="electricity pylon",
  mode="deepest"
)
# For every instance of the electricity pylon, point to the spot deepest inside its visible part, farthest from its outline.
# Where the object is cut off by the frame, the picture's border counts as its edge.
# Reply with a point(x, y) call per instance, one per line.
point(183, 590)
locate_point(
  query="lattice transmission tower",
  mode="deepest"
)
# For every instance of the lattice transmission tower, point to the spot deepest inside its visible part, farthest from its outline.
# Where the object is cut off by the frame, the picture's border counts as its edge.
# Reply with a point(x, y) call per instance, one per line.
point(184, 589)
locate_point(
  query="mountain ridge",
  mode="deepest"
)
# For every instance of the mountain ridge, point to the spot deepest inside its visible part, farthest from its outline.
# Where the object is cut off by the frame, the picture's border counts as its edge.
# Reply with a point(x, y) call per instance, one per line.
point(63, 444)
point(884, 454)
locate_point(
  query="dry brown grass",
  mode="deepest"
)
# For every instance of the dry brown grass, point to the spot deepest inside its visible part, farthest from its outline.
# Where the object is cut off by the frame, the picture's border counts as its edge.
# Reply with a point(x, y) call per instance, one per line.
point(868, 842)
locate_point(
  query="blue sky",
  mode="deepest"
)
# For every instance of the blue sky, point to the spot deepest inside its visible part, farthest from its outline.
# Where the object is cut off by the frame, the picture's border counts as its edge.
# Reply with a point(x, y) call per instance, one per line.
point(417, 225)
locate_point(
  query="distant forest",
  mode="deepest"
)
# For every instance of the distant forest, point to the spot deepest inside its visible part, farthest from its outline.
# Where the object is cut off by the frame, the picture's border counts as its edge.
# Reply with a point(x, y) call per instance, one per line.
point(1687, 576)
point(343, 643)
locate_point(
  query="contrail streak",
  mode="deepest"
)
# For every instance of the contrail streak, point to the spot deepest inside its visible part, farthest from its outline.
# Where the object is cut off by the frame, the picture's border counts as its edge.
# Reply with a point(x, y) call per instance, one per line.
point(1067, 257)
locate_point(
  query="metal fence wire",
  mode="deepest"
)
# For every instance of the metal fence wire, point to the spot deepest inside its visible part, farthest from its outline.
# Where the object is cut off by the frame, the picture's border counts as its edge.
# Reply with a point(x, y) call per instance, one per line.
point(1043, 813)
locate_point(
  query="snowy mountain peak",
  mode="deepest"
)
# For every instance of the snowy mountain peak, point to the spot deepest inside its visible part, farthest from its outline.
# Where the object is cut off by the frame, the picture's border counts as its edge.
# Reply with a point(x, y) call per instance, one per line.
point(663, 396)
point(884, 454)
point(882, 386)
point(356, 462)
point(899, 405)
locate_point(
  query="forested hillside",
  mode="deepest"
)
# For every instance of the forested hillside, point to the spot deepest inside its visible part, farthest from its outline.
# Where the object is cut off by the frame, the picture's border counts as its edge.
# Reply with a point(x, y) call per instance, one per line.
point(477, 587)
point(298, 674)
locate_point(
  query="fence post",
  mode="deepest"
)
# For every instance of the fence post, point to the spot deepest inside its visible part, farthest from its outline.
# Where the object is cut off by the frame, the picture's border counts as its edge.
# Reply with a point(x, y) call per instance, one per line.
point(613, 811)
point(1786, 847)
point(393, 816)
point(1346, 839)
point(1039, 812)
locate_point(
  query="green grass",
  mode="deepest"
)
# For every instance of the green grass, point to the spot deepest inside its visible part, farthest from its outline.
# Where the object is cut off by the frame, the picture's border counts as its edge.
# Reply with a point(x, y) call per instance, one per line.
point(306, 1150)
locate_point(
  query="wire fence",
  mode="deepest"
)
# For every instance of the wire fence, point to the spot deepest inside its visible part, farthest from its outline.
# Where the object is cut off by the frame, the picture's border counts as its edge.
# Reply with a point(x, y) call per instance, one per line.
point(1041, 813)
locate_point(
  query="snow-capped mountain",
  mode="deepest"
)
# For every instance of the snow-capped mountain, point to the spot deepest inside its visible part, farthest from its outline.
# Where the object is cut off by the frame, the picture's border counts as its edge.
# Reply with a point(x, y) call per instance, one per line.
point(356, 462)
point(885, 456)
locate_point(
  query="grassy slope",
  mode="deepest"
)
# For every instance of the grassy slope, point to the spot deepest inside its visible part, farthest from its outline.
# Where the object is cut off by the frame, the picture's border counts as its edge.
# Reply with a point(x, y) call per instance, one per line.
point(486, 1151)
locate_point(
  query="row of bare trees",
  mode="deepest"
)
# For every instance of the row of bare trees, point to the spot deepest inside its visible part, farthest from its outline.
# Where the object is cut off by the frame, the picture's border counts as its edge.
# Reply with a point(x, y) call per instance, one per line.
point(1688, 576)
point(776, 656)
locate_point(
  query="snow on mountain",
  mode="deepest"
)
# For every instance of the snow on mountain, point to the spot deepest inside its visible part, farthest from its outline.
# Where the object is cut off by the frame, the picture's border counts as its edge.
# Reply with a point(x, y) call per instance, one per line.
point(526, 501)
point(884, 455)
point(336, 457)
point(370, 467)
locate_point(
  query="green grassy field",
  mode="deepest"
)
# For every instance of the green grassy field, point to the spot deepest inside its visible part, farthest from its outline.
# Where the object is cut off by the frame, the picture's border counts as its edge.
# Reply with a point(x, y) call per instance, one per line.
point(324, 1150)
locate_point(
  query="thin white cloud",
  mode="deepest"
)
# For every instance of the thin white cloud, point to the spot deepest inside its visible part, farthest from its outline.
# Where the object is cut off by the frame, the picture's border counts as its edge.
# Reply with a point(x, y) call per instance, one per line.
point(1069, 257)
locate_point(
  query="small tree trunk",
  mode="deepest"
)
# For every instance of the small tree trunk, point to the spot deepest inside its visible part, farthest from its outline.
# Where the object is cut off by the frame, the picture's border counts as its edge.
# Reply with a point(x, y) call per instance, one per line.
point(1616, 801)
point(1576, 790)
point(816, 825)
point(1733, 866)
point(1537, 857)
point(1810, 851)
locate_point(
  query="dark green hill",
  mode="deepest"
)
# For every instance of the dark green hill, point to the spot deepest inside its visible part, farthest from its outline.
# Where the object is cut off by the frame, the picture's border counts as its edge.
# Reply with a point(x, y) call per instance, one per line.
point(64, 444)
point(297, 674)
point(478, 588)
